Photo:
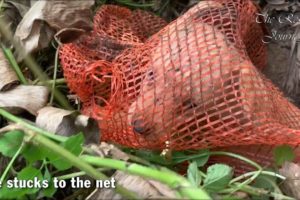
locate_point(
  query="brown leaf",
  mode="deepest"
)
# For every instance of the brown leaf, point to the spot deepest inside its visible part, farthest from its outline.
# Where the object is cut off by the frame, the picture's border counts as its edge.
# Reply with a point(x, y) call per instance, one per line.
point(109, 150)
point(291, 186)
point(145, 189)
point(20, 7)
point(281, 5)
point(45, 18)
point(67, 35)
point(8, 77)
point(30, 98)
point(66, 123)
point(13, 12)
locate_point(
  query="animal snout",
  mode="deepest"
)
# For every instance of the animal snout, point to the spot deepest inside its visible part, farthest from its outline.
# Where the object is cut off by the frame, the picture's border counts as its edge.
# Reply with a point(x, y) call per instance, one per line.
point(138, 126)
point(141, 127)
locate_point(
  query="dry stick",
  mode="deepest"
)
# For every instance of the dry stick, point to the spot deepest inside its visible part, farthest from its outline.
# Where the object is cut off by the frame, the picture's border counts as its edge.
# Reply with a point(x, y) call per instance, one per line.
point(31, 63)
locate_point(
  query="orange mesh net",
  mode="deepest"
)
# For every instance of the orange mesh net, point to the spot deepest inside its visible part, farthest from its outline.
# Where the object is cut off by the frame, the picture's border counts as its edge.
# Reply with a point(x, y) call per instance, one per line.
point(194, 83)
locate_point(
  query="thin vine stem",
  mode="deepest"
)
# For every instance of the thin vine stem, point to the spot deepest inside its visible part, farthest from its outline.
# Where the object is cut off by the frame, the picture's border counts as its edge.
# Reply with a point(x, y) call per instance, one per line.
point(13, 63)
point(269, 173)
point(27, 125)
point(11, 162)
point(54, 75)
point(77, 174)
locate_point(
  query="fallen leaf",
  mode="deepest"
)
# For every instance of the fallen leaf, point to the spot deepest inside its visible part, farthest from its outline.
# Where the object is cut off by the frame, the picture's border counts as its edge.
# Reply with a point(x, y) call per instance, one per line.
point(45, 18)
point(20, 7)
point(145, 189)
point(281, 5)
point(291, 186)
point(29, 98)
point(109, 150)
point(67, 123)
point(67, 35)
point(13, 12)
point(8, 77)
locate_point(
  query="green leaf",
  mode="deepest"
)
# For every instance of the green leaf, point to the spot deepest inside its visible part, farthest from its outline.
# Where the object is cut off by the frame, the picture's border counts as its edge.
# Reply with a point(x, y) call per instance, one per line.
point(201, 157)
point(263, 182)
point(72, 144)
point(193, 174)
point(218, 177)
point(10, 142)
point(50, 191)
point(152, 157)
point(33, 153)
point(201, 161)
point(283, 153)
point(11, 193)
point(29, 173)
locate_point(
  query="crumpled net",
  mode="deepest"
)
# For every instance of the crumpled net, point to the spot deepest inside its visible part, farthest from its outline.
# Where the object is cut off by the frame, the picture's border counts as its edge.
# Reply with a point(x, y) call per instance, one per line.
point(193, 83)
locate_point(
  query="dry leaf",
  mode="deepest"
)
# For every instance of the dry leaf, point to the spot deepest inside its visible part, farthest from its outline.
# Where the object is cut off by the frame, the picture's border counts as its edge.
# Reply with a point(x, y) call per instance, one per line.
point(11, 127)
point(109, 150)
point(68, 35)
point(18, 7)
point(282, 5)
point(145, 189)
point(30, 98)
point(291, 79)
point(291, 186)
point(45, 18)
point(8, 77)
point(13, 12)
point(66, 123)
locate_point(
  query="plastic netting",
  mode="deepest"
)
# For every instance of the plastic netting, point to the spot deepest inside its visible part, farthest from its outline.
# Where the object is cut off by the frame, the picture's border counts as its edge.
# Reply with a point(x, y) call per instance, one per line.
point(190, 84)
